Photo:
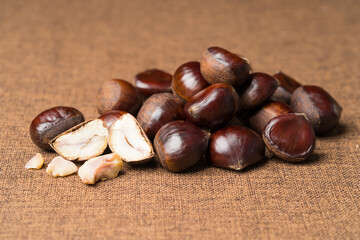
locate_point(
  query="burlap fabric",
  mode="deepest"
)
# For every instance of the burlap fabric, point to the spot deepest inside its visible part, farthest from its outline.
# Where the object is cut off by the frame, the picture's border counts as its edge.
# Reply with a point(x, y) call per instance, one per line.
point(59, 52)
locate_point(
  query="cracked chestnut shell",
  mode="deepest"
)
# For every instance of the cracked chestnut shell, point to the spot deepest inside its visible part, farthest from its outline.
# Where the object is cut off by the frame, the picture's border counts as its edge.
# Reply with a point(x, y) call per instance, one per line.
point(322, 110)
point(289, 137)
point(111, 116)
point(153, 81)
point(218, 65)
point(188, 80)
point(258, 120)
point(158, 110)
point(256, 91)
point(117, 94)
point(213, 107)
point(287, 85)
point(52, 122)
point(235, 147)
point(179, 145)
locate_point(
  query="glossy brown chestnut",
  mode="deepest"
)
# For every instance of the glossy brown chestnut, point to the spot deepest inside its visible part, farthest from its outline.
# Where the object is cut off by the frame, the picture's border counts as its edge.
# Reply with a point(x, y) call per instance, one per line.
point(287, 86)
point(188, 80)
point(111, 116)
point(258, 120)
point(118, 94)
point(52, 122)
point(153, 81)
point(256, 91)
point(213, 107)
point(179, 145)
point(289, 137)
point(235, 147)
point(322, 110)
point(158, 110)
point(218, 65)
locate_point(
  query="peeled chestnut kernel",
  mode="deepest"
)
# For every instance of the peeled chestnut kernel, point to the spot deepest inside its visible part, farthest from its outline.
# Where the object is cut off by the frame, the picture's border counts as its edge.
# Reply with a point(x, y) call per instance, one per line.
point(287, 86)
point(319, 106)
point(129, 140)
point(60, 167)
point(213, 107)
point(117, 94)
point(35, 162)
point(188, 80)
point(111, 116)
point(218, 65)
point(258, 120)
point(256, 91)
point(53, 122)
point(158, 110)
point(289, 137)
point(235, 147)
point(153, 81)
point(100, 168)
point(82, 142)
point(179, 145)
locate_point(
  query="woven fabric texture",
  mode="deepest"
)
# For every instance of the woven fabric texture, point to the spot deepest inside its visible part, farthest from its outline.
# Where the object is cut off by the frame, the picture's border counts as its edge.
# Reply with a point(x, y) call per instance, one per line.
point(59, 53)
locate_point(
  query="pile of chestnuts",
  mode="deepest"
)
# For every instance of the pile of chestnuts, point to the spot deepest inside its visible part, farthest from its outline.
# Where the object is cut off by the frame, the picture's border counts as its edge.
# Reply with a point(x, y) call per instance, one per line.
point(216, 109)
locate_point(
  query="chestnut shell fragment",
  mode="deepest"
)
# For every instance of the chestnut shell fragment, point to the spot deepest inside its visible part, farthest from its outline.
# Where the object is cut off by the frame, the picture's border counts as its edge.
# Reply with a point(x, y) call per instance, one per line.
point(179, 145)
point(52, 122)
point(235, 147)
point(290, 137)
point(322, 110)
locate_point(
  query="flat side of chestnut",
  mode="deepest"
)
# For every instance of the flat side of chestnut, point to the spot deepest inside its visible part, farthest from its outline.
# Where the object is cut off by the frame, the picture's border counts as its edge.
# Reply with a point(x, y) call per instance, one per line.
point(52, 122)
point(235, 147)
point(118, 94)
point(188, 80)
point(179, 145)
point(213, 107)
point(153, 81)
point(158, 110)
point(258, 120)
point(290, 137)
point(221, 66)
point(259, 89)
point(321, 109)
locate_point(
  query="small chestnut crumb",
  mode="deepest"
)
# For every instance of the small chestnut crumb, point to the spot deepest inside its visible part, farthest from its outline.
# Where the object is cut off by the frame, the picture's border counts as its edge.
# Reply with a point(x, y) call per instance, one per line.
point(82, 142)
point(129, 140)
point(59, 167)
point(100, 168)
point(35, 162)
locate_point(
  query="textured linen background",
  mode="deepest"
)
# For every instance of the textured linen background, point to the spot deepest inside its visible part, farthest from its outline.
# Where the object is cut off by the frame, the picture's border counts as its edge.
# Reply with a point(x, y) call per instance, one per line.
point(59, 53)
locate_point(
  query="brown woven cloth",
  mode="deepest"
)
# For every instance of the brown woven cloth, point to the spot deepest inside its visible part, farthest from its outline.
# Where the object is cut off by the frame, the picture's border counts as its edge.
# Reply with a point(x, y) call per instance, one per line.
point(59, 53)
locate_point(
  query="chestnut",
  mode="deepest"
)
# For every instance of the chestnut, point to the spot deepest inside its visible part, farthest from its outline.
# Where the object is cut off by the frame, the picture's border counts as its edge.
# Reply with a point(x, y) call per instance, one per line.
point(287, 86)
point(235, 147)
point(52, 122)
point(153, 81)
point(258, 120)
point(179, 145)
point(110, 117)
point(158, 110)
point(117, 94)
point(218, 65)
point(322, 110)
point(188, 80)
point(289, 137)
point(256, 91)
point(213, 107)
